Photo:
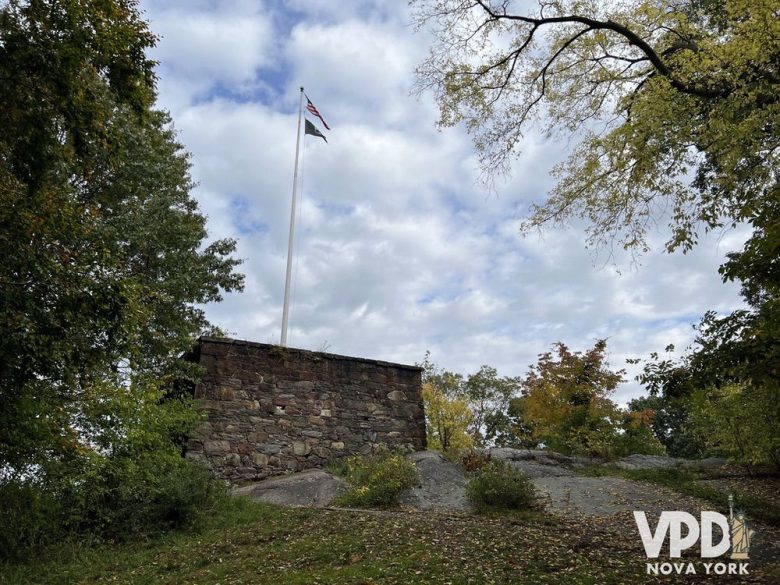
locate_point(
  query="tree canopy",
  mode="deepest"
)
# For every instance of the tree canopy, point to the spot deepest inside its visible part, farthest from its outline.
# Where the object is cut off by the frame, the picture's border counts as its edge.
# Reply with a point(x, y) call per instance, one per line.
point(677, 103)
point(106, 259)
point(566, 400)
point(474, 408)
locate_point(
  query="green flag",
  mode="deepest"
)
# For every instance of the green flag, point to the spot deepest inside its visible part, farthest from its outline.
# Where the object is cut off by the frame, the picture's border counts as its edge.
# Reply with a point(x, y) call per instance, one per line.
point(314, 131)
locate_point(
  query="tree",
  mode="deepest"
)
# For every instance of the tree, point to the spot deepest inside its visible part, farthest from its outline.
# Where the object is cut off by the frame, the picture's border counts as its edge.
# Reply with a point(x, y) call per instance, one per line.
point(718, 398)
point(450, 384)
point(485, 393)
point(637, 434)
point(448, 420)
point(677, 101)
point(671, 424)
point(740, 423)
point(489, 396)
point(520, 432)
point(677, 106)
point(565, 400)
point(106, 262)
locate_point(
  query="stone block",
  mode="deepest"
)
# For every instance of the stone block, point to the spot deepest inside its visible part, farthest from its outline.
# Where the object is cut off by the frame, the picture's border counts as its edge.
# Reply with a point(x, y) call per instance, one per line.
point(223, 393)
point(257, 437)
point(216, 446)
point(301, 448)
point(245, 448)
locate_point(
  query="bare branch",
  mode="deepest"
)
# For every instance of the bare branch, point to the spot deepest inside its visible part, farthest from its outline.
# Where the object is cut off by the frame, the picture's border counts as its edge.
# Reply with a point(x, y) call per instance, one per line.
point(610, 25)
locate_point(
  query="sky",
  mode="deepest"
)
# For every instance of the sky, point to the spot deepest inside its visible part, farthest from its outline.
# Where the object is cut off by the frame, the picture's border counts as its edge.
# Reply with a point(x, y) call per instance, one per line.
point(399, 249)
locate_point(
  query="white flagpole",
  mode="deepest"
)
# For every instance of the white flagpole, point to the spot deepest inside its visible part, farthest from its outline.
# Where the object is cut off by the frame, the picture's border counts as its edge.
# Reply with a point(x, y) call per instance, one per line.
point(286, 308)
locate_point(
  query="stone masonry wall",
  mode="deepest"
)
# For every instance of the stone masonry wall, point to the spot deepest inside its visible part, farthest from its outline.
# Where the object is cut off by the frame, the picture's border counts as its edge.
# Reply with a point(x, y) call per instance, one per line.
point(274, 410)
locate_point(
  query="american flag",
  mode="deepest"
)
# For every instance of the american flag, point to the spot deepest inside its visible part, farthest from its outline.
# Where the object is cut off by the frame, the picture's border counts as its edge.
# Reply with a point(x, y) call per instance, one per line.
point(310, 107)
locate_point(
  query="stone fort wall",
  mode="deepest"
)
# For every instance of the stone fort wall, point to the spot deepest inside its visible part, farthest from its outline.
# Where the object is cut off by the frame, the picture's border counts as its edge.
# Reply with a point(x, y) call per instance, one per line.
point(274, 410)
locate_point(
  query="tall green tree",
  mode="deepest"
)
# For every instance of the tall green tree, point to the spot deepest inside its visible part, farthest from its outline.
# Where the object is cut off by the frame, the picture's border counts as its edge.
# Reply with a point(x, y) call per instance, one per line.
point(672, 425)
point(717, 399)
point(489, 395)
point(106, 261)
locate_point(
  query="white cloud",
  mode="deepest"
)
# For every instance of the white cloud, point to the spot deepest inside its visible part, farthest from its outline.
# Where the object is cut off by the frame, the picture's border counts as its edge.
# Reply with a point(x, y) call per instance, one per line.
point(399, 250)
point(206, 47)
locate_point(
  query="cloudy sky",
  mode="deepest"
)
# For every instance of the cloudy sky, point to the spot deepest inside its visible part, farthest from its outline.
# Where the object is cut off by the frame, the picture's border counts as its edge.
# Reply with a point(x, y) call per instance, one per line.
point(399, 249)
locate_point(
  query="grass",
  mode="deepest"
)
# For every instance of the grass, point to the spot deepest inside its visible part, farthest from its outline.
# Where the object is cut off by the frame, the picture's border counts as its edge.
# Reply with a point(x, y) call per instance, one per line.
point(689, 482)
point(248, 542)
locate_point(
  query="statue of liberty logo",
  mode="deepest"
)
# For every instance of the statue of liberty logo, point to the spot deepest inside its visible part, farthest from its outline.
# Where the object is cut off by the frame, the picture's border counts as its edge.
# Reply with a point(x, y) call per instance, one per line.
point(740, 532)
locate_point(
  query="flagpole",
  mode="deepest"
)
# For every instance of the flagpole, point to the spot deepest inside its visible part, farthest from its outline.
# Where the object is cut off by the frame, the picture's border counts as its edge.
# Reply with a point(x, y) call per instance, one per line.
point(286, 309)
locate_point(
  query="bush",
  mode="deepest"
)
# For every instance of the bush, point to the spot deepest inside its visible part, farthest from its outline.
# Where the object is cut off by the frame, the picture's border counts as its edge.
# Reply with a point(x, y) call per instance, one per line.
point(377, 479)
point(637, 441)
point(337, 466)
point(104, 498)
point(29, 517)
point(499, 485)
point(120, 497)
point(474, 460)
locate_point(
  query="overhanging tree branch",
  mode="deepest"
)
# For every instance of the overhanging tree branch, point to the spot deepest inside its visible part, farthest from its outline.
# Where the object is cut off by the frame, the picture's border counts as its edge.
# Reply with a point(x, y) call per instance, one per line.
point(610, 25)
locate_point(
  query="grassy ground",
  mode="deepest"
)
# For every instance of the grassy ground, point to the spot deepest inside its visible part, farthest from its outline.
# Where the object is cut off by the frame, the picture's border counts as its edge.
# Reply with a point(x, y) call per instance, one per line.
point(246, 542)
point(254, 543)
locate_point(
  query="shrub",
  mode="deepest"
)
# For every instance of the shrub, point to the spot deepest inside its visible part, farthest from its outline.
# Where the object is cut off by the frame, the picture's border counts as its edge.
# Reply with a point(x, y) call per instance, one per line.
point(119, 497)
point(499, 485)
point(29, 515)
point(337, 466)
point(104, 497)
point(640, 441)
point(377, 479)
point(474, 460)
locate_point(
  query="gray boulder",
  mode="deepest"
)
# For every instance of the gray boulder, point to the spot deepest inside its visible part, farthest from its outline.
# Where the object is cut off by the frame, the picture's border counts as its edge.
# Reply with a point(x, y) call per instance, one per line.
point(537, 456)
point(313, 488)
point(535, 470)
point(442, 484)
point(662, 462)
